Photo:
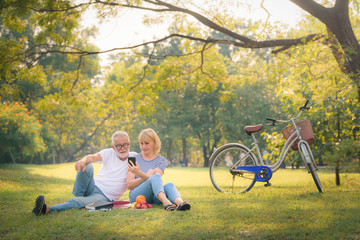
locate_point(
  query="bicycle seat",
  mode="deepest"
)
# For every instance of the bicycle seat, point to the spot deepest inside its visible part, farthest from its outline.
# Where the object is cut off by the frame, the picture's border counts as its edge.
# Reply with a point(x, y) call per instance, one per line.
point(253, 129)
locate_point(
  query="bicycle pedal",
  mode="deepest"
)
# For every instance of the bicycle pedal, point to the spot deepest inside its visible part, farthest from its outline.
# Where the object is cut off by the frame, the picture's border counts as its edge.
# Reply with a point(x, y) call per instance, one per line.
point(267, 184)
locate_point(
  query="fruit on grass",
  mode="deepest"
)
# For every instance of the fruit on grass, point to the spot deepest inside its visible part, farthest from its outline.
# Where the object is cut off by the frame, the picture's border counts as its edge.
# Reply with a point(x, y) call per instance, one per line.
point(140, 198)
point(142, 205)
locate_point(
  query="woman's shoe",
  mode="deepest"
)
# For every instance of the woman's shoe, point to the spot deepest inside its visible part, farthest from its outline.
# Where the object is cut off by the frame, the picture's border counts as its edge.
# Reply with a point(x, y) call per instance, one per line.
point(170, 207)
point(183, 206)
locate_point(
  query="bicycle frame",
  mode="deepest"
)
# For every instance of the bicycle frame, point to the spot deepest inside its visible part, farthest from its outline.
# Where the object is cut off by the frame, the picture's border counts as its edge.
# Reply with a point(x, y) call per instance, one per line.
point(288, 143)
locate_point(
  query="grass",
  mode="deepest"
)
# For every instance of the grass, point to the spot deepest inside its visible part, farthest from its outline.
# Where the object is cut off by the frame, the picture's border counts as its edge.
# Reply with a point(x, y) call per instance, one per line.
point(290, 209)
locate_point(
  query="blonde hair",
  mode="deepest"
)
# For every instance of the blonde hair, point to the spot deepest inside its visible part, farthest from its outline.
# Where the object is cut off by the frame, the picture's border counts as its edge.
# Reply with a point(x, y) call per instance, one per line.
point(150, 135)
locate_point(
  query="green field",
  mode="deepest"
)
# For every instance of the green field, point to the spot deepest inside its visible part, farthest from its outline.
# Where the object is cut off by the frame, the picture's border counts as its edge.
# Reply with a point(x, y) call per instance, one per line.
point(290, 209)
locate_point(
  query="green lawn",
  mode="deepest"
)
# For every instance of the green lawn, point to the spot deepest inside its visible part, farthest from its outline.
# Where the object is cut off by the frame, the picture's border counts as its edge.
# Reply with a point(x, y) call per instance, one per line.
point(290, 209)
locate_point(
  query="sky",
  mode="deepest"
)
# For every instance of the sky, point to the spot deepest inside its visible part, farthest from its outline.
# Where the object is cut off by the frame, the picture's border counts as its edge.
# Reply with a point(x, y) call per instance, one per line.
point(127, 29)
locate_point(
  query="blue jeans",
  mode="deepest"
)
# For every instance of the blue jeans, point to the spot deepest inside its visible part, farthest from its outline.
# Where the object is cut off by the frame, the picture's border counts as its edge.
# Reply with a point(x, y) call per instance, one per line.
point(84, 190)
point(151, 188)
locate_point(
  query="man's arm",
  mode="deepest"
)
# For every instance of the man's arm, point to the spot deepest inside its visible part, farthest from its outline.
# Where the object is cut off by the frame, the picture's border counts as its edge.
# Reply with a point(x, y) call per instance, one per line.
point(80, 165)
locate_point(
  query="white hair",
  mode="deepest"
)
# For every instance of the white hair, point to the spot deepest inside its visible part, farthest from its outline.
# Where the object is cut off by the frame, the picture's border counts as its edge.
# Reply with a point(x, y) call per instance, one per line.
point(119, 134)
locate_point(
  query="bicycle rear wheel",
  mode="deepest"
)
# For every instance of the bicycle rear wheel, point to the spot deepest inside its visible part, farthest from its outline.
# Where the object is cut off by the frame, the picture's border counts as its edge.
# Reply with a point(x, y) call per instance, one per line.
point(309, 161)
point(223, 173)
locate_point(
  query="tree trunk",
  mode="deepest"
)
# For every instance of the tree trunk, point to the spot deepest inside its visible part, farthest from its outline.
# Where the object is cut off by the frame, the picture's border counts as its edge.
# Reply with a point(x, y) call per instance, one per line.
point(337, 174)
point(184, 148)
point(12, 157)
point(206, 158)
point(337, 21)
point(53, 155)
point(169, 150)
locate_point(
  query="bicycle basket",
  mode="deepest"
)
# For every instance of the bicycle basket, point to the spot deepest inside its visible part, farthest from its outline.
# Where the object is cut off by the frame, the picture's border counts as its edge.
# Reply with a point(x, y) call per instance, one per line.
point(306, 133)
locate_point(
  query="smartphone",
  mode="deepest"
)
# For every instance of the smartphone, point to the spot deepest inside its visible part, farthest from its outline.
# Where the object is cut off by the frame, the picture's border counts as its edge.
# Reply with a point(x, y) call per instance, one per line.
point(132, 160)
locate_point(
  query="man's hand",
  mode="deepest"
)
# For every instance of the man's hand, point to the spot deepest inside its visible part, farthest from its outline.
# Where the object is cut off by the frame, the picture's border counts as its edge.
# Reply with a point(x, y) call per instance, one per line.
point(80, 165)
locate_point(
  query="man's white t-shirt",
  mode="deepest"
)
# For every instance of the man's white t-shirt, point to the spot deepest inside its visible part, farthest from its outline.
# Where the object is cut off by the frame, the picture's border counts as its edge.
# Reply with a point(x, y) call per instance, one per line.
point(111, 179)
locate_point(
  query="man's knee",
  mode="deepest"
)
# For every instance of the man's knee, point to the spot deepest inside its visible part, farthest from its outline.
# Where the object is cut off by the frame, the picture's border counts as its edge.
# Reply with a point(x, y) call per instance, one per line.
point(77, 202)
point(89, 168)
point(88, 171)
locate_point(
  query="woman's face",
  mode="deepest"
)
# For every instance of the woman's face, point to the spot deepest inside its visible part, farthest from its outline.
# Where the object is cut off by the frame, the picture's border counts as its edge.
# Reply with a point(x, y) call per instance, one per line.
point(147, 146)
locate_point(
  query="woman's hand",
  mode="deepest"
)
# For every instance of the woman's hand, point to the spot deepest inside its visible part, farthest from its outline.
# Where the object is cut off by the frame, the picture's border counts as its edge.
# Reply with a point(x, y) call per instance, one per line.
point(151, 172)
point(135, 169)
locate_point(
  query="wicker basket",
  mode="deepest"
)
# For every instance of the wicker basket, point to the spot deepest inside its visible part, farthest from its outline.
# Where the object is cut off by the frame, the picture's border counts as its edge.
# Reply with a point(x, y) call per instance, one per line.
point(305, 131)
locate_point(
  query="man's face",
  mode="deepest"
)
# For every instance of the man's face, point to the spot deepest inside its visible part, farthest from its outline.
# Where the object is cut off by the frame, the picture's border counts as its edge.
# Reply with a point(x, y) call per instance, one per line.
point(121, 147)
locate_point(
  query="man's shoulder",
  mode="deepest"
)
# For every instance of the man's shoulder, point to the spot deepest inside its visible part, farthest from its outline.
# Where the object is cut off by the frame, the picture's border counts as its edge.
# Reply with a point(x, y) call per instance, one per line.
point(106, 150)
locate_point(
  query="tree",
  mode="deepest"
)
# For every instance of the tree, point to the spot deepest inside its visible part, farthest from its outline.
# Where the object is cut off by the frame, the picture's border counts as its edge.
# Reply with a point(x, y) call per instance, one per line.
point(335, 109)
point(338, 33)
point(19, 133)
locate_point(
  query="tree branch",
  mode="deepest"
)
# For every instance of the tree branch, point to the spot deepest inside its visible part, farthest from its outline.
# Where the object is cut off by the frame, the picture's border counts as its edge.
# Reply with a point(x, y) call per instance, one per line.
point(85, 142)
point(238, 40)
point(314, 8)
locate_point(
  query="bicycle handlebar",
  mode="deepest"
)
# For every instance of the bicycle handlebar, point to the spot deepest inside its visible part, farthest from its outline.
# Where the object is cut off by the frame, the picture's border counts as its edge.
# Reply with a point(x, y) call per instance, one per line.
point(273, 120)
point(301, 109)
point(305, 106)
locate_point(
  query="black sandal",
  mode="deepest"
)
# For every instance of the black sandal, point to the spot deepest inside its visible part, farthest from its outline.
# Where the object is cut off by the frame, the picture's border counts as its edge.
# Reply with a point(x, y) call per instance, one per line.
point(183, 206)
point(170, 207)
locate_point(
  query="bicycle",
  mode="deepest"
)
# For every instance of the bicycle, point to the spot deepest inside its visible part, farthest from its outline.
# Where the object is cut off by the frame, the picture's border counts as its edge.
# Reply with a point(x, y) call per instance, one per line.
point(236, 168)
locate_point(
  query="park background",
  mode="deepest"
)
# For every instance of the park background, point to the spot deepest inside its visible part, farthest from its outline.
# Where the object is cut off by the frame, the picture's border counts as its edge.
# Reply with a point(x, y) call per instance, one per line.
point(197, 84)
point(192, 82)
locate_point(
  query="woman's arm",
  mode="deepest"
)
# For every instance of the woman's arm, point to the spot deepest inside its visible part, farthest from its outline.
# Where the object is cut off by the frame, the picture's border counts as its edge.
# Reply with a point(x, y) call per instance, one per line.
point(159, 171)
point(131, 181)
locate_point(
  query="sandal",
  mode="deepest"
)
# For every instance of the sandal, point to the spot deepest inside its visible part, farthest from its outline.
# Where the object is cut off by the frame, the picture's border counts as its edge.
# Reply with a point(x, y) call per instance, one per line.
point(183, 206)
point(170, 207)
point(40, 206)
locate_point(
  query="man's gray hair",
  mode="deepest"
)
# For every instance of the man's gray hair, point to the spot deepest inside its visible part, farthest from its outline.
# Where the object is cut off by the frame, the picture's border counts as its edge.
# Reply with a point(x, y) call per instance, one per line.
point(119, 134)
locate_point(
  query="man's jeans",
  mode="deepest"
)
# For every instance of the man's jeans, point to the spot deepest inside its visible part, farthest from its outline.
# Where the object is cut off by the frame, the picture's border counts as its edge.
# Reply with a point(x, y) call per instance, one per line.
point(84, 190)
point(152, 187)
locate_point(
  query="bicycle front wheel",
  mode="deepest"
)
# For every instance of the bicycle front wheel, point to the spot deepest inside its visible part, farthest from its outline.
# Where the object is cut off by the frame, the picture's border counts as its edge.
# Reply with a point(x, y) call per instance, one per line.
point(315, 176)
point(223, 173)
point(307, 157)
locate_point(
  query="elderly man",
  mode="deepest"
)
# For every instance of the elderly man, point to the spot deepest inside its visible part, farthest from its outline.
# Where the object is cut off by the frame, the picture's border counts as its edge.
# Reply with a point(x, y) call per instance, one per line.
point(108, 185)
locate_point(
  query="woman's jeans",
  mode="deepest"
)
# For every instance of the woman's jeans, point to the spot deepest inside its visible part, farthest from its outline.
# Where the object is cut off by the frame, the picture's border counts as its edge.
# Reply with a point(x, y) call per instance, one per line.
point(84, 190)
point(152, 187)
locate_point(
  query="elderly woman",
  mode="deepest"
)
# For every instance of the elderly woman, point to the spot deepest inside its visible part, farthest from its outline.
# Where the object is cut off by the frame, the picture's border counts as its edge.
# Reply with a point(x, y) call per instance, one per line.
point(145, 177)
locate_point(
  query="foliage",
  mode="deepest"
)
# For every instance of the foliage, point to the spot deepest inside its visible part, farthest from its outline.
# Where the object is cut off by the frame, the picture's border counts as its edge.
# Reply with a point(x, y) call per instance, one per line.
point(195, 102)
point(334, 109)
point(19, 134)
point(344, 154)
point(48, 83)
